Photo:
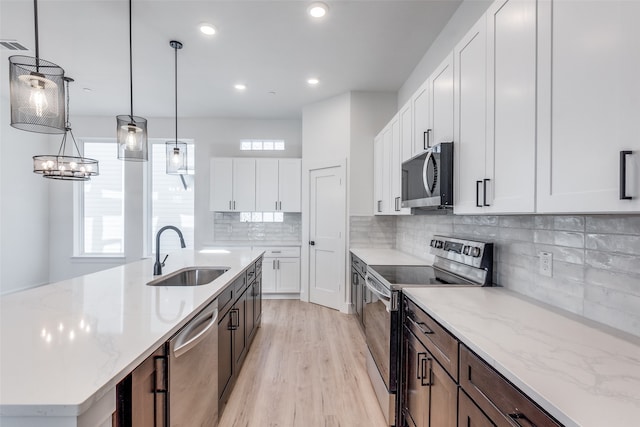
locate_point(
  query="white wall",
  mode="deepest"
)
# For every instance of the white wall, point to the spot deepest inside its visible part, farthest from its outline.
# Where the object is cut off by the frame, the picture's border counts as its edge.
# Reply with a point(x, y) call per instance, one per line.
point(213, 137)
point(465, 16)
point(24, 202)
point(370, 111)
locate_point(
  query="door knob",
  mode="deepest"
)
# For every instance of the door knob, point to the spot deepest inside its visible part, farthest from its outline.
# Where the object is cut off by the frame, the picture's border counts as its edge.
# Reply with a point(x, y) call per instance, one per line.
point(312, 243)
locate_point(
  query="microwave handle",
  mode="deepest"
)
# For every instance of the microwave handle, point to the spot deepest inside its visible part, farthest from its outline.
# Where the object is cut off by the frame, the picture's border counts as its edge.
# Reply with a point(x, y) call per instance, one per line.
point(424, 173)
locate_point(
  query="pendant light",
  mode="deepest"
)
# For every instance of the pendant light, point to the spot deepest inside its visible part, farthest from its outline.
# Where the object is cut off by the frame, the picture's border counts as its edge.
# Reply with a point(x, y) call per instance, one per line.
point(37, 91)
point(62, 166)
point(176, 151)
point(132, 130)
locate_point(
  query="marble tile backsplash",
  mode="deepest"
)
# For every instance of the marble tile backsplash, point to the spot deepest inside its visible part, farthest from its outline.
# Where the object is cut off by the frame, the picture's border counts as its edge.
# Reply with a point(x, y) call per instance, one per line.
point(596, 258)
point(227, 227)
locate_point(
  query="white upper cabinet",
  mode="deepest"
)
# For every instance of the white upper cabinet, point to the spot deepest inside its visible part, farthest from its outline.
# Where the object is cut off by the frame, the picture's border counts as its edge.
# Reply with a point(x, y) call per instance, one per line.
point(278, 185)
point(232, 185)
point(441, 107)
point(405, 120)
point(495, 111)
point(420, 108)
point(589, 105)
point(387, 154)
point(470, 118)
point(511, 107)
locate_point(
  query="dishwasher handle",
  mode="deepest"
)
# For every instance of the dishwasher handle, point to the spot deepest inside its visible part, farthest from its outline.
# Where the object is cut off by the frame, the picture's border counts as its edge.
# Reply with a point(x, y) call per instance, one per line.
point(183, 348)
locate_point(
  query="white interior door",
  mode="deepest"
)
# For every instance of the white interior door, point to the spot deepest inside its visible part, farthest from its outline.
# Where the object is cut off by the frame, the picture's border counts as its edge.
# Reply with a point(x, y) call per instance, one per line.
point(327, 220)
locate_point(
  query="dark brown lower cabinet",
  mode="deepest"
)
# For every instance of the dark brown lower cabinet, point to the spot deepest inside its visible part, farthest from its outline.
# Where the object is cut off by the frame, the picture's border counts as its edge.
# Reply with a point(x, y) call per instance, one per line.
point(429, 393)
point(469, 415)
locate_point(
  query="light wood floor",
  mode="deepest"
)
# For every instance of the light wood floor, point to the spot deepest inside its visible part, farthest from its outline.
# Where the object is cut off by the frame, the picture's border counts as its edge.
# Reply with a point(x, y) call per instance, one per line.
point(305, 368)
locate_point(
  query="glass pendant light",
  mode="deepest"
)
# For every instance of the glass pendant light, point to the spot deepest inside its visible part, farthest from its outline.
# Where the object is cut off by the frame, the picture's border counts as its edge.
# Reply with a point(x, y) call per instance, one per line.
point(37, 91)
point(176, 151)
point(62, 166)
point(132, 130)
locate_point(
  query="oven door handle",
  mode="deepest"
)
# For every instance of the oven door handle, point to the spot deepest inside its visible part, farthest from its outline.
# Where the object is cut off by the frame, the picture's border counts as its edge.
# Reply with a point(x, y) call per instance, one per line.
point(386, 298)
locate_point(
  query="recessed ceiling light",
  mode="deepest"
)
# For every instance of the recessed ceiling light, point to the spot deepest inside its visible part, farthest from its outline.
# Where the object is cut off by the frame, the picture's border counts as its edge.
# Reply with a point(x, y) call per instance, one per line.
point(87, 89)
point(240, 86)
point(313, 81)
point(318, 9)
point(207, 29)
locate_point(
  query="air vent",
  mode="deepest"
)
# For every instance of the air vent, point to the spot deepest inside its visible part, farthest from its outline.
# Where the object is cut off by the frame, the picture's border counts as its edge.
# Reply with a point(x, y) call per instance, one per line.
point(12, 45)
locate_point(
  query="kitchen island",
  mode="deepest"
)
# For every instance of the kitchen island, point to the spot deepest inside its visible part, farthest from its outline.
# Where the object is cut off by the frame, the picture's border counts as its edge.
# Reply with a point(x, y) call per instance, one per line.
point(580, 372)
point(65, 346)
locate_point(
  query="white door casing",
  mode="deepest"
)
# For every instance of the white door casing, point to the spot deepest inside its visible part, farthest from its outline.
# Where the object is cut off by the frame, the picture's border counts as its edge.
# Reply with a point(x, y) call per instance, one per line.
point(327, 221)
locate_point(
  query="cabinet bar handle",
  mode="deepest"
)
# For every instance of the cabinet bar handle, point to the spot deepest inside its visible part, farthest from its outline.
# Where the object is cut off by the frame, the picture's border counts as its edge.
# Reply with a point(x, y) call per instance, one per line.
point(160, 374)
point(425, 330)
point(426, 137)
point(379, 205)
point(274, 264)
point(276, 205)
point(515, 416)
point(397, 204)
point(234, 205)
point(230, 205)
point(280, 205)
point(278, 262)
point(623, 174)
point(478, 194)
point(484, 190)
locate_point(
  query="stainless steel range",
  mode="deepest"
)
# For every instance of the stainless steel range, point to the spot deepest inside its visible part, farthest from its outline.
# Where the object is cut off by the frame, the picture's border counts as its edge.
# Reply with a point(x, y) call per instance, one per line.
point(458, 262)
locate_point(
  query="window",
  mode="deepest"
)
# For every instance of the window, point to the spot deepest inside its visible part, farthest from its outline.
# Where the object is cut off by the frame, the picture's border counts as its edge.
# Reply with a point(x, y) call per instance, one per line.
point(172, 200)
point(102, 204)
point(261, 145)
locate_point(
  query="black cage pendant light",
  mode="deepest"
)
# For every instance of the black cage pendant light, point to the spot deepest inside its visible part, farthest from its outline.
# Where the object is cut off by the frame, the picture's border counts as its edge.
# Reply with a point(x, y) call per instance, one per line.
point(176, 150)
point(132, 130)
point(63, 166)
point(37, 91)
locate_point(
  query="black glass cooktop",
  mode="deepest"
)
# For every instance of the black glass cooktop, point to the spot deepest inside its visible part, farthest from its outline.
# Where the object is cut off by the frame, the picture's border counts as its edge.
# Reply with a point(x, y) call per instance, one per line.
point(415, 275)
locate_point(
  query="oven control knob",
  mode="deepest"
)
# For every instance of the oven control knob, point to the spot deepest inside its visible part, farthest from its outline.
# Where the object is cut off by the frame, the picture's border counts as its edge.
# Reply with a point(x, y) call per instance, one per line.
point(439, 244)
point(433, 243)
point(475, 252)
point(466, 250)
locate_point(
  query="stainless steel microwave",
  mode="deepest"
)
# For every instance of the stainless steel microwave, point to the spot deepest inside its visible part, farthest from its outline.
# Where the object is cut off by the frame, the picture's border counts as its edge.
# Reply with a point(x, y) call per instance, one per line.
point(427, 179)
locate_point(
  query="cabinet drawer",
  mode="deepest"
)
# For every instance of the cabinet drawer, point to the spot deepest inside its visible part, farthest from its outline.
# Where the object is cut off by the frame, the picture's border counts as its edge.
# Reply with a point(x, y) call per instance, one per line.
point(503, 403)
point(224, 300)
point(240, 285)
point(251, 273)
point(281, 252)
point(438, 340)
point(358, 264)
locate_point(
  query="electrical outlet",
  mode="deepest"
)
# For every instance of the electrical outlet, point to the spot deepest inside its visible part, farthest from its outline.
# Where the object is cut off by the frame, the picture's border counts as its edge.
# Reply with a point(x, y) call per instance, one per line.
point(545, 263)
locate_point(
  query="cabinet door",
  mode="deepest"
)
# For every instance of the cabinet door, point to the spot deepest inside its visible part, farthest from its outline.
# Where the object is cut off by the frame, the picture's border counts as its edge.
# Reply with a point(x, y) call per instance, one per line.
point(470, 118)
point(469, 415)
point(441, 97)
point(148, 409)
point(444, 397)
point(221, 185)
point(511, 112)
point(269, 275)
point(405, 117)
point(244, 185)
point(589, 98)
point(387, 146)
point(266, 185)
point(420, 106)
point(288, 275)
point(239, 333)
point(416, 392)
point(289, 185)
point(378, 164)
point(225, 357)
point(395, 199)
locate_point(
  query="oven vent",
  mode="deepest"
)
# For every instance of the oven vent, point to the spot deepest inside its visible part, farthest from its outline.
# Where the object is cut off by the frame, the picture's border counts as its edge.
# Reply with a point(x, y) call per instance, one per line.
point(12, 45)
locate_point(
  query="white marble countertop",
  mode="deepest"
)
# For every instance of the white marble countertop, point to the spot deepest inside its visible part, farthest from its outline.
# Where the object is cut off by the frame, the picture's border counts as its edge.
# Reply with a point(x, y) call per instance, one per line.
point(66, 344)
point(582, 373)
point(250, 243)
point(372, 256)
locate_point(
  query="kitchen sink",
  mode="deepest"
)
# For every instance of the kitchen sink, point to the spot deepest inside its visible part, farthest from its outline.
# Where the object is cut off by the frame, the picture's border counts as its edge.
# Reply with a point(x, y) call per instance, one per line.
point(190, 276)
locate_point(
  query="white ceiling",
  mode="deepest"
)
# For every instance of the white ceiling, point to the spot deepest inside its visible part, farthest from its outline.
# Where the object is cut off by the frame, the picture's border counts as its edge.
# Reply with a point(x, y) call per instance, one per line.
point(268, 45)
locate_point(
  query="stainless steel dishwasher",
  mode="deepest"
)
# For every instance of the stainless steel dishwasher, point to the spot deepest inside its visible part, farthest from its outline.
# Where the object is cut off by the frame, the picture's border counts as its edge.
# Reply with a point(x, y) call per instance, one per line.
point(193, 371)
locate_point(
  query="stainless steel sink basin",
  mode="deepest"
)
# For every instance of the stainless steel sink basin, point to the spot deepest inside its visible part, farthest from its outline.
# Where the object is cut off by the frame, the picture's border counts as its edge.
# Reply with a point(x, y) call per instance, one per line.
point(190, 276)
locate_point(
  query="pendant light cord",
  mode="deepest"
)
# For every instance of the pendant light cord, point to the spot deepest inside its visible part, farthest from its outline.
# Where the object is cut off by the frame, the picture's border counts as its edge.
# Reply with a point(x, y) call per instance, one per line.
point(35, 19)
point(130, 62)
point(176, 89)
